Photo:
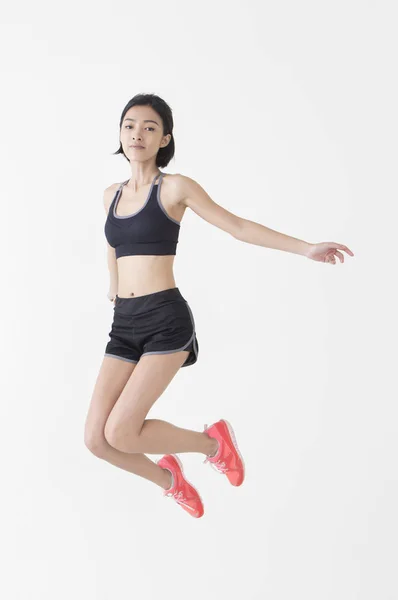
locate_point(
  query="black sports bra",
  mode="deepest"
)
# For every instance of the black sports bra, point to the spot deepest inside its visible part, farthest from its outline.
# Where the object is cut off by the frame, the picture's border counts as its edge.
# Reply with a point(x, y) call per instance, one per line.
point(150, 230)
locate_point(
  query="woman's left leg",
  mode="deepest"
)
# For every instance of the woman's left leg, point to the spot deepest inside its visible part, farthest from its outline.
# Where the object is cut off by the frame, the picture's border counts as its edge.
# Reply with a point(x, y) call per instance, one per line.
point(127, 428)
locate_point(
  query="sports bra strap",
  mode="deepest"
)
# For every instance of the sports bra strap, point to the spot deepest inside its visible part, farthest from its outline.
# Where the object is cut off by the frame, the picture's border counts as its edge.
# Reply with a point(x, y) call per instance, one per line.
point(153, 180)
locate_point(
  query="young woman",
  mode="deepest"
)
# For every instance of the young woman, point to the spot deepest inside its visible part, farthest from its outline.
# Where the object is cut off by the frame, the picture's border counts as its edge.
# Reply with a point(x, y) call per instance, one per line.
point(153, 330)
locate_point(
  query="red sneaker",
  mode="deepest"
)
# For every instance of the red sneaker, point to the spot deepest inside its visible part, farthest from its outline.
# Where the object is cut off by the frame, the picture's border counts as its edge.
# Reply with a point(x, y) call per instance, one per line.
point(181, 490)
point(227, 460)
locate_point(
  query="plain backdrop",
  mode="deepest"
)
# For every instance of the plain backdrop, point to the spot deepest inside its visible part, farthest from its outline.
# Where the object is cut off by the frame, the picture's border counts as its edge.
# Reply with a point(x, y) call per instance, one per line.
point(285, 112)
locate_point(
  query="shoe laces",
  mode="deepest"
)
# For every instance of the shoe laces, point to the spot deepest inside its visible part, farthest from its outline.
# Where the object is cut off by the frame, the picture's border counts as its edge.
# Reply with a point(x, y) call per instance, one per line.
point(177, 495)
point(179, 498)
point(219, 466)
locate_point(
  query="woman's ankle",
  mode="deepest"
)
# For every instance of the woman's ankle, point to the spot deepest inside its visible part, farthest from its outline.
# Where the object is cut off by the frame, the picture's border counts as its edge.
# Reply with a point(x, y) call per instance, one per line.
point(213, 447)
point(169, 479)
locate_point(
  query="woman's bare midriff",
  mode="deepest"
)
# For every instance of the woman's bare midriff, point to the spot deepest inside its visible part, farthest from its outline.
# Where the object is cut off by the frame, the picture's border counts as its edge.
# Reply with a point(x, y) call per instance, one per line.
point(140, 275)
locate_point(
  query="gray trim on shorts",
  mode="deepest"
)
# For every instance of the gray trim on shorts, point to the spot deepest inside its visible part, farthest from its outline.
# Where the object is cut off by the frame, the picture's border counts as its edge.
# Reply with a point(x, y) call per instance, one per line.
point(195, 350)
point(121, 357)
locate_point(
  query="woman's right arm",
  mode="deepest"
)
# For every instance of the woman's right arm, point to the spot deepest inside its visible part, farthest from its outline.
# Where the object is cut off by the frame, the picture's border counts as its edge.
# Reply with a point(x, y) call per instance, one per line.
point(111, 255)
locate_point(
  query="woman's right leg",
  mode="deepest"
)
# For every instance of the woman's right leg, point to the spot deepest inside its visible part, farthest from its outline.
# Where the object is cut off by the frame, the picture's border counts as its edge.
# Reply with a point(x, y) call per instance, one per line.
point(112, 377)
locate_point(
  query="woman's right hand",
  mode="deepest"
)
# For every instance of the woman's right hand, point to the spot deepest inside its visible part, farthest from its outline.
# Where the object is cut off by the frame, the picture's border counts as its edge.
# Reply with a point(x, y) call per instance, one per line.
point(111, 296)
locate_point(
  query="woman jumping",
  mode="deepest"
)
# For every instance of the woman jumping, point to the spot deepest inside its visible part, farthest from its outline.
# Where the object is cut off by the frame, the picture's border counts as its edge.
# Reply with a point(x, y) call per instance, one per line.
point(153, 330)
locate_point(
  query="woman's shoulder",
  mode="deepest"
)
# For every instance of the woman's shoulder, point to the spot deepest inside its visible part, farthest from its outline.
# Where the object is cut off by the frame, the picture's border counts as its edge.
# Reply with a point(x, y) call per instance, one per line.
point(174, 187)
point(109, 194)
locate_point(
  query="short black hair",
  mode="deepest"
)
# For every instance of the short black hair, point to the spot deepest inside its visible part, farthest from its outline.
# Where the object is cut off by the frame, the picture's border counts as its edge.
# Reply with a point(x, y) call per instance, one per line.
point(164, 111)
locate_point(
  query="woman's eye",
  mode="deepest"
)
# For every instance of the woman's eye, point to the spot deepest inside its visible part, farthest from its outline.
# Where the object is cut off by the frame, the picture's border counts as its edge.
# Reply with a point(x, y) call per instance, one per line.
point(153, 129)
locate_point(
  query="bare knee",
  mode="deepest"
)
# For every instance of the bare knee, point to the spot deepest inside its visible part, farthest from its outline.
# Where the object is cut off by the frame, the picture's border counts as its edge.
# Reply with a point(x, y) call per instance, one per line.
point(117, 437)
point(113, 438)
point(95, 442)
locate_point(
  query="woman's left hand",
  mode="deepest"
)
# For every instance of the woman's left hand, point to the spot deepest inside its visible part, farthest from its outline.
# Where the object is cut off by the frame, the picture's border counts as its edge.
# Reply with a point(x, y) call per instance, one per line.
point(327, 252)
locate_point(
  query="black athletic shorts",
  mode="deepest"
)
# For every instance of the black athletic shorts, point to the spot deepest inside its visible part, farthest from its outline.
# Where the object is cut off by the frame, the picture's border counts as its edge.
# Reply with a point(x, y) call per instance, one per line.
point(157, 323)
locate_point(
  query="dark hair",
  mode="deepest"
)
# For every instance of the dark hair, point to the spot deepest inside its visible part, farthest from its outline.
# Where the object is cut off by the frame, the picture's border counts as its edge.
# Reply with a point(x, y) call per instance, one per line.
point(164, 111)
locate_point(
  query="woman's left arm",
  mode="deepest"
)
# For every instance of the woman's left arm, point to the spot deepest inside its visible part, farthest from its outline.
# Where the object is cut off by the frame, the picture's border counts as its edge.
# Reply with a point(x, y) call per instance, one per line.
point(191, 194)
point(259, 235)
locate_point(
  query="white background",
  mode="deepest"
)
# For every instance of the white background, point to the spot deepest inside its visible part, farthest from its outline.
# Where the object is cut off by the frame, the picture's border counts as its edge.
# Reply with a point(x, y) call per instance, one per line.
point(285, 112)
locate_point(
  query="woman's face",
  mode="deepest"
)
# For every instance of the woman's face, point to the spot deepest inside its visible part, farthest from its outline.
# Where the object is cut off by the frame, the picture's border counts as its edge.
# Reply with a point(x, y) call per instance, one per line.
point(142, 126)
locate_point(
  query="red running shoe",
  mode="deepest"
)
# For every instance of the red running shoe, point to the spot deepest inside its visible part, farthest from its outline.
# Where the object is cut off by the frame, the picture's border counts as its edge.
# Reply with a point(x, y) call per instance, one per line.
point(181, 490)
point(227, 460)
